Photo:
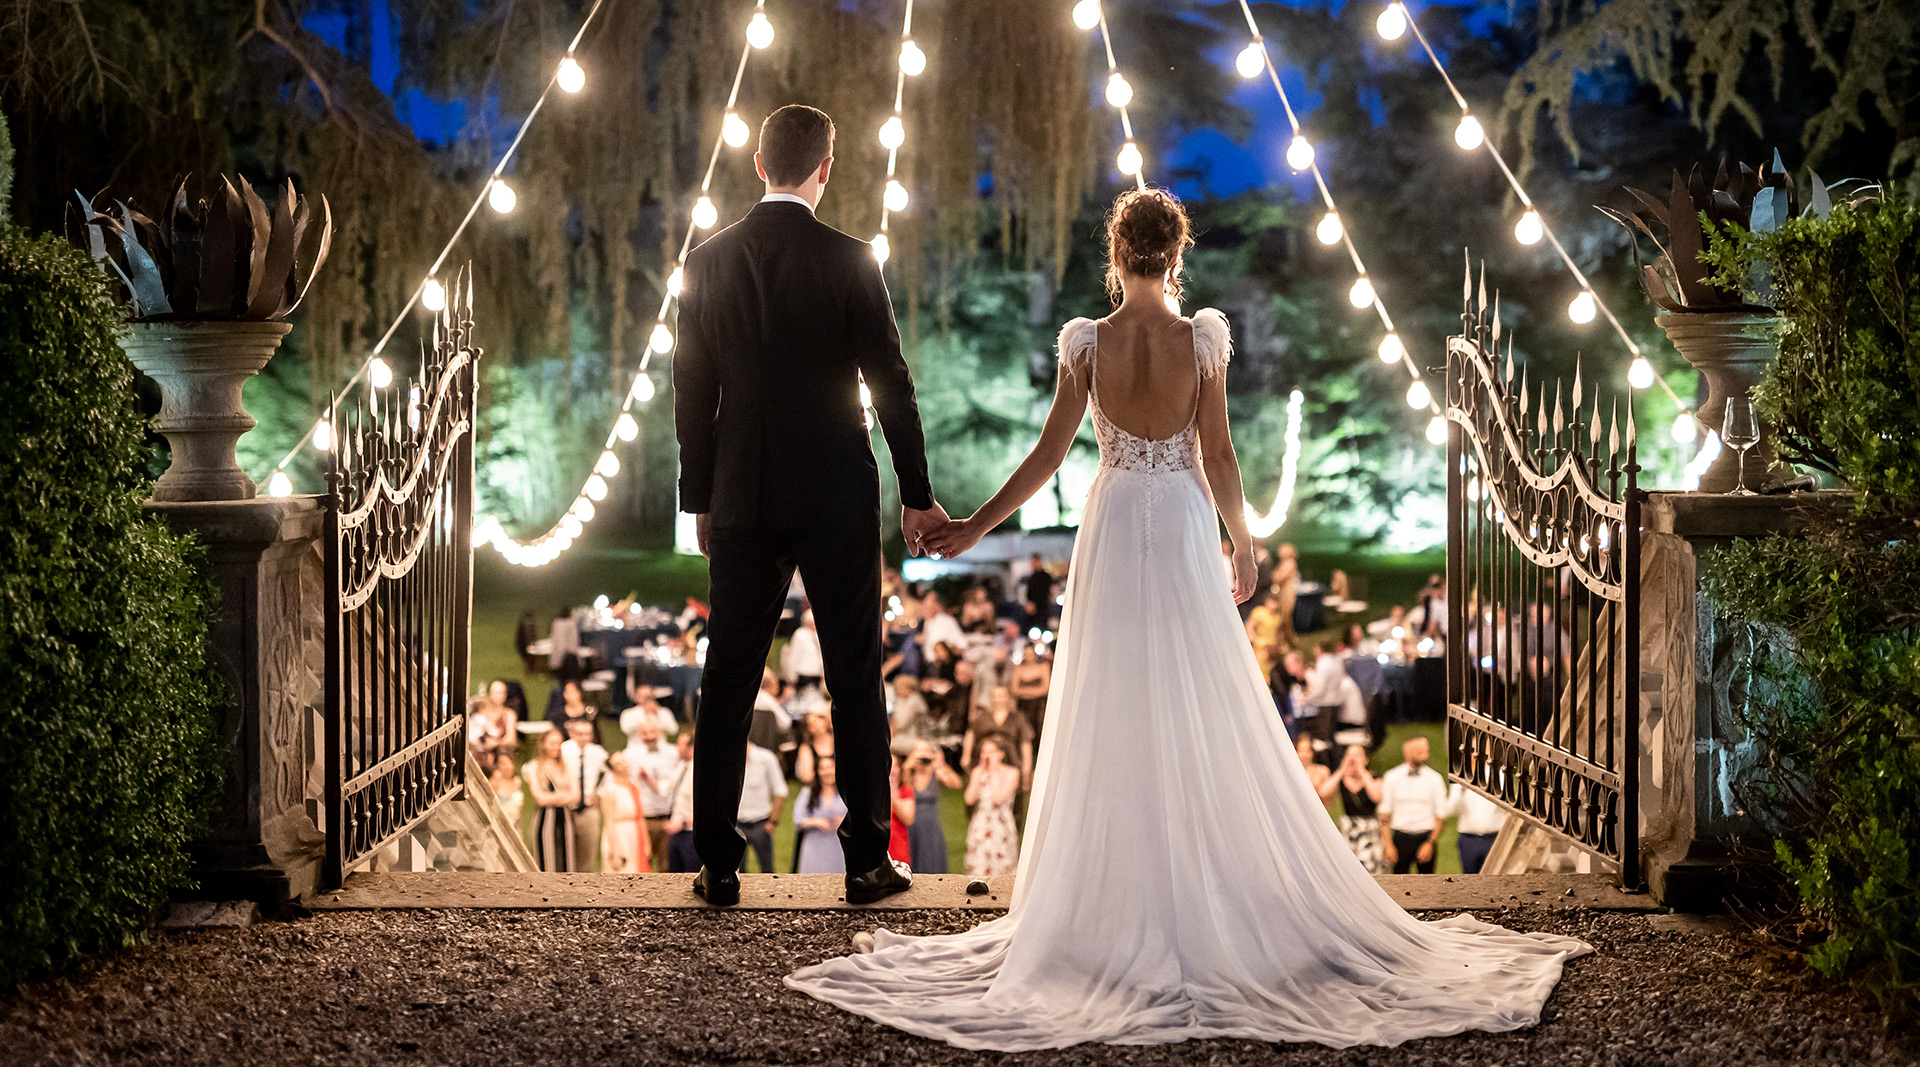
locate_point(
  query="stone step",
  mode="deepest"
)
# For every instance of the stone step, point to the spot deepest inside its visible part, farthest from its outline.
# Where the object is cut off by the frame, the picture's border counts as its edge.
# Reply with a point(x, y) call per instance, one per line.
point(813, 892)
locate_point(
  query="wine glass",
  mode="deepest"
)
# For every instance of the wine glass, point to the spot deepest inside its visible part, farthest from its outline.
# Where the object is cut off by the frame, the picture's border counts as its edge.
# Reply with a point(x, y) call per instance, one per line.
point(1740, 432)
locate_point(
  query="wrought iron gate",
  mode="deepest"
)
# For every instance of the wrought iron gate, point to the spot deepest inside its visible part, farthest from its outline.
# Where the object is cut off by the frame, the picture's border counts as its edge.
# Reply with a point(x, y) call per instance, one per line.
point(1543, 584)
point(399, 583)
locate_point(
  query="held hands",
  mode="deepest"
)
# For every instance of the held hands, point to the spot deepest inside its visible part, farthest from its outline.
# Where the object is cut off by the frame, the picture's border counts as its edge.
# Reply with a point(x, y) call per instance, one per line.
point(955, 537)
point(916, 526)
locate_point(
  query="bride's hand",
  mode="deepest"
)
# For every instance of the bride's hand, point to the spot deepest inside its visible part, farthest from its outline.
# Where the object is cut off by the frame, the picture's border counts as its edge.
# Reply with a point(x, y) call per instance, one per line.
point(952, 539)
point(1243, 573)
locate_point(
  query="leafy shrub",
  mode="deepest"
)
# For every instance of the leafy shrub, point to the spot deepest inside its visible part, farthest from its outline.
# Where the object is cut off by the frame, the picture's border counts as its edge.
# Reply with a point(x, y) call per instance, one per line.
point(1834, 671)
point(107, 712)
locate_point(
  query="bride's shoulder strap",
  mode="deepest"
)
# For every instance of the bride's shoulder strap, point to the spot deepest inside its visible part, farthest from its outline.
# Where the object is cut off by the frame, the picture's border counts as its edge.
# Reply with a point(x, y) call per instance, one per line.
point(1212, 342)
point(1077, 340)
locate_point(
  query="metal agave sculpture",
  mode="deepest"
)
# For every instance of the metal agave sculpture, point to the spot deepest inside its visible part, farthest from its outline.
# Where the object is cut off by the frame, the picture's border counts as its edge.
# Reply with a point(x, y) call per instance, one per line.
point(1759, 200)
point(229, 258)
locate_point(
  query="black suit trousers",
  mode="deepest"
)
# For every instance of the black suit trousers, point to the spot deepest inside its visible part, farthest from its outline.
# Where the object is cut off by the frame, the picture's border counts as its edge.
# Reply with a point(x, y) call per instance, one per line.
point(750, 570)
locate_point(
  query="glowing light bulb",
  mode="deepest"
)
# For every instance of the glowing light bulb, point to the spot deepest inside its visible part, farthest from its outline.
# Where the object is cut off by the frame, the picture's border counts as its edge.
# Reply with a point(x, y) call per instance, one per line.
point(571, 76)
point(1436, 431)
point(433, 295)
point(733, 130)
point(1392, 23)
point(1392, 349)
point(1530, 228)
point(895, 197)
point(570, 528)
point(1251, 60)
point(501, 197)
point(704, 213)
point(625, 428)
point(279, 484)
point(583, 509)
point(608, 464)
point(1330, 229)
point(677, 281)
point(1419, 396)
point(662, 339)
point(322, 436)
point(1469, 134)
point(596, 488)
point(1300, 152)
point(1582, 308)
point(866, 396)
point(892, 133)
point(759, 30)
point(1361, 295)
point(1684, 428)
point(643, 389)
point(882, 248)
point(1129, 160)
point(1086, 14)
point(379, 375)
point(1119, 90)
point(913, 62)
point(1640, 373)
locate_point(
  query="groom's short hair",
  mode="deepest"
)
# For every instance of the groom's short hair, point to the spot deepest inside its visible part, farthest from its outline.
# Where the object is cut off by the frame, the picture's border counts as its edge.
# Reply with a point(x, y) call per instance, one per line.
point(793, 142)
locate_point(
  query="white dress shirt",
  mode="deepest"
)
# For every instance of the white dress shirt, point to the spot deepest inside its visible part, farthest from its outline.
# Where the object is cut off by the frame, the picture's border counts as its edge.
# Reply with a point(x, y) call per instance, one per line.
point(586, 772)
point(801, 658)
point(631, 718)
point(942, 629)
point(662, 762)
point(1323, 682)
point(786, 198)
point(1412, 801)
point(1476, 813)
point(764, 782)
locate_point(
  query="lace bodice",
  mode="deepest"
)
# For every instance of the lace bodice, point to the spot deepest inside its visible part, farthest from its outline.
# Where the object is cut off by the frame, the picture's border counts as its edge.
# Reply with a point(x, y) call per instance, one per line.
point(1120, 450)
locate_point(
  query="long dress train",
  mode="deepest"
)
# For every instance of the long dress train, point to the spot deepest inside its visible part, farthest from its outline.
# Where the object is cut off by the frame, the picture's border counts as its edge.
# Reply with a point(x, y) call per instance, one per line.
point(1179, 878)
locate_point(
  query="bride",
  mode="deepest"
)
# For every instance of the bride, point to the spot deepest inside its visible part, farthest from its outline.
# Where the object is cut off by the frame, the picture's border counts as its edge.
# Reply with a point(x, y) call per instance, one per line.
point(1179, 878)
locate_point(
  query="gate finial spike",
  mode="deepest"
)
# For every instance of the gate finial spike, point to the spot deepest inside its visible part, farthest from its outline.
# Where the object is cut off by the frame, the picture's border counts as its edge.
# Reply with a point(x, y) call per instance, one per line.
point(1496, 318)
point(1523, 394)
point(1576, 386)
point(1483, 287)
point(1593, 426)
point(1540, 415)
point(1559, 422)
point(1630, 432)
point(1466, 287)
point(1509, 374)
point(1613, 434)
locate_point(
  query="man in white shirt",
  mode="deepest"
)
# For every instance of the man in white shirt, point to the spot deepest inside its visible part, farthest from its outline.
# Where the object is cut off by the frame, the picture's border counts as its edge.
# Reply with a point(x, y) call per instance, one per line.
point(586, 764)
point(1413, 805)
point(655, 765)
point(682, 857)
point(1324, 697)
point(939, 627)
point(761, 796)
point(1480, 822)
point(801, 660)
point(909, 719)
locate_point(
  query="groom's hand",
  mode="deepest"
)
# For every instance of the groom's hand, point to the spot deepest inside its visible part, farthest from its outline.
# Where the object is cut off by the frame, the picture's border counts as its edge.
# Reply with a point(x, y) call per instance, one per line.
point(700, 533)
point(916, 525)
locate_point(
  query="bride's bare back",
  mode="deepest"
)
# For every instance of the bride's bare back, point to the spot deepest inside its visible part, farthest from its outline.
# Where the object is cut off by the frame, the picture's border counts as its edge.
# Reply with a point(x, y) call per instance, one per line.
point(1145, 376)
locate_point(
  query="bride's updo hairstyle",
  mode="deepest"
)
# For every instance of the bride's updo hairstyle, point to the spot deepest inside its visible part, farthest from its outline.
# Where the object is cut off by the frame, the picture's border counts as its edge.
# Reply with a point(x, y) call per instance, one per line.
point(1147, 234)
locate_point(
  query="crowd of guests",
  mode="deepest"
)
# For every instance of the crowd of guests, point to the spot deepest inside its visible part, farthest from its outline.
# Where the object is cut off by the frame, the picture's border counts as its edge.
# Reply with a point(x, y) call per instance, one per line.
point(967, 671)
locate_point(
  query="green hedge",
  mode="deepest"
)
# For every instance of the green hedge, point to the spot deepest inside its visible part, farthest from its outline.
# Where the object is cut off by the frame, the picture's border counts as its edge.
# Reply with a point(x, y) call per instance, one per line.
point(107, 711)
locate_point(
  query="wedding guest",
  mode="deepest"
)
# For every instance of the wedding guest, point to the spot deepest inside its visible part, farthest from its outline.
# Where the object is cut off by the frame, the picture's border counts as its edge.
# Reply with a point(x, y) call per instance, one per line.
point(900, 820)
point(816, 741)
point(1288, 683)
point(1396, 620)
point(937, 627)
point(1413, 804)
point(525, 632)
point(1325, 698)
point(1324, 784)
point(772, 726)
point(1039, 590)
point(909, 719)
point(926, 772)
point(1480, 821)
point(1360, 794)
point(623, 843)
point(655, 766)
point(486, 733)
point(586, 764)
point(761, 796)
point(505, 780)
point(681, 856)
point(1031, 678)
point(647, 709)
point(817, 815)
point(509, 695)
point(959, 699)
point(553, 790)
point(570, 706)
point(1263, 630)
point(976, 612)
point(993, 846)
point(801, 660)
point(1001, 719)
point(1286, 583)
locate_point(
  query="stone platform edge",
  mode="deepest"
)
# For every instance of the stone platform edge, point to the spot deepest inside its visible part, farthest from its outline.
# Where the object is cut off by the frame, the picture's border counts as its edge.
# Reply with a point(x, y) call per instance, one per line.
point(824, 892)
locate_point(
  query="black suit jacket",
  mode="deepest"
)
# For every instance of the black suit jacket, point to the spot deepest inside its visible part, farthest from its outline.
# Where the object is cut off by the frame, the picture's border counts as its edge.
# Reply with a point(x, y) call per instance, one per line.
point(780, 317)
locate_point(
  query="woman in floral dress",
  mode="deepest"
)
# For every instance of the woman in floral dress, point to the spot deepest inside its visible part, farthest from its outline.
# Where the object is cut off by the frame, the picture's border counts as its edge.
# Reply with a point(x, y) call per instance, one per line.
point(993, 845)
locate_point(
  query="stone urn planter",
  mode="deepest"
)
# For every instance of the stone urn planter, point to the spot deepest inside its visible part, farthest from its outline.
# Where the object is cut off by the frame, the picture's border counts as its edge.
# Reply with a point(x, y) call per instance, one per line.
point(201, 368)
point(1732, 350)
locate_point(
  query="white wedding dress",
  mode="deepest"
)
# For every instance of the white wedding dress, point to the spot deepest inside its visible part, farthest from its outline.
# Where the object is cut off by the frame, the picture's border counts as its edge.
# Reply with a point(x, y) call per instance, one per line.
point(1179, 878)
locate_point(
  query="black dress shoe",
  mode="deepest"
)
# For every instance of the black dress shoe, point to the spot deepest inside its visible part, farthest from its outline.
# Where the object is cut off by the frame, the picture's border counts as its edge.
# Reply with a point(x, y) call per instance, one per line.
point(883, 881)
point(720, 890)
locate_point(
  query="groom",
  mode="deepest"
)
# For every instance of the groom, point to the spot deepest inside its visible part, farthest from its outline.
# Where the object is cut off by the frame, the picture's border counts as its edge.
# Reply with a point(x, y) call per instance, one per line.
point(781, 318)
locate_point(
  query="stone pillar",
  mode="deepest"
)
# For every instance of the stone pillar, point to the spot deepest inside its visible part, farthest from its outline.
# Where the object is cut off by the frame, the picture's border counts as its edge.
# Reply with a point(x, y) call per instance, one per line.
point(265, 841)
point(1698, 764)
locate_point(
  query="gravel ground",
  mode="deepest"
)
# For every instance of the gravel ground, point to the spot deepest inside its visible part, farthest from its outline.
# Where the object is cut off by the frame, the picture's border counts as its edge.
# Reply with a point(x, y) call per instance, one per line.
point(643, 987)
